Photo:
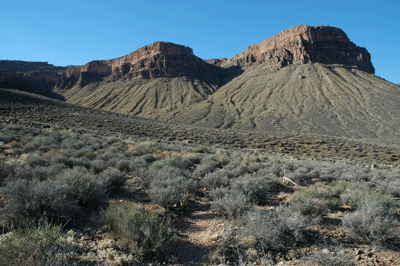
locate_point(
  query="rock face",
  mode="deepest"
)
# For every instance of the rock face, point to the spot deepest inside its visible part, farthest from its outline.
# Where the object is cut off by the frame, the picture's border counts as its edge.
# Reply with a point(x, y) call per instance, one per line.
point(38, 77)
point(309, 80)
point(304, 44)
point(299, 45)
point(160, 59)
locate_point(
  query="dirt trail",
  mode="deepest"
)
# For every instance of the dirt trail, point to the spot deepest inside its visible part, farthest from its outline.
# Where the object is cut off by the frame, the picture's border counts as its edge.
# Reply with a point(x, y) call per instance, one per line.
point(198, 231)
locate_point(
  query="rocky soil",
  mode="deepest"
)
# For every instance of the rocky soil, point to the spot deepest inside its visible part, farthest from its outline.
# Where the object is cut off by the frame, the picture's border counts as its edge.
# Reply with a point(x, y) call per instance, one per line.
point(32, 110)
point(200, 230)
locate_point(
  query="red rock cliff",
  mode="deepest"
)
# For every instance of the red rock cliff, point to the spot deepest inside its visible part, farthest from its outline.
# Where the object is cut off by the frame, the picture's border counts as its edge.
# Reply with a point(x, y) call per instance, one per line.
point(125, 63)
point(303, 44)
point(160, 59)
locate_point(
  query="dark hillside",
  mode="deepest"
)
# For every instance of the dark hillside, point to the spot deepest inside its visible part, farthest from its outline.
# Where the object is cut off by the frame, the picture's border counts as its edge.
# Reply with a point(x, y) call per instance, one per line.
point(32, 110)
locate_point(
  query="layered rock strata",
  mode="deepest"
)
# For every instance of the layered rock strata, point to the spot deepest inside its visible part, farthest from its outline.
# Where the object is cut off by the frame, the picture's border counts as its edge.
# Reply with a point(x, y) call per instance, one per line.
point(304, 44)
point(160, 59)
point(298, 45)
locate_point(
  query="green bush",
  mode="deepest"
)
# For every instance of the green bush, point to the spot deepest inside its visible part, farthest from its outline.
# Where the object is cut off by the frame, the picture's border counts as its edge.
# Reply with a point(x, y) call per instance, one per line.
point(318, 198)
point(145, 147)
point(33, 245)
point(175, 160)
point(144, 234)
point(361, 194)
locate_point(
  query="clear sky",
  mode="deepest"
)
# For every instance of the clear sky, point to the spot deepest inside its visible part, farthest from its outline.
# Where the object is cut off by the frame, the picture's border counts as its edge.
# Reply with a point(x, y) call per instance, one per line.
point(75, 32)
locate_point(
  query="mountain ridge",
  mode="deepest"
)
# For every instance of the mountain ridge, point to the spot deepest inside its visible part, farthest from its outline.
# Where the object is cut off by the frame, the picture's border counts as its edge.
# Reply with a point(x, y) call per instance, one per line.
point(310, 80)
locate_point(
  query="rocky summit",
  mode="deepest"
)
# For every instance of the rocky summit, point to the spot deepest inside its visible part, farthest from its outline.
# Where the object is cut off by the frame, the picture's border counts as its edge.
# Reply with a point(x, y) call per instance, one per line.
point(305, 44)
point(309, 80)
point(160, 59)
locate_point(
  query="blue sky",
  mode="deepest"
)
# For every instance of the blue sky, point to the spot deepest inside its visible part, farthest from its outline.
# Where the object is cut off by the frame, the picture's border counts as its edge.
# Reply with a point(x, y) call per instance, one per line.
point(75, 32)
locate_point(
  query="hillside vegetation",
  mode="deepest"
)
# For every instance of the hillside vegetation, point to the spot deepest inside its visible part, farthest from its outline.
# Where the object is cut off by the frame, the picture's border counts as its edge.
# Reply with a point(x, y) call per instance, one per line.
point(76, 193)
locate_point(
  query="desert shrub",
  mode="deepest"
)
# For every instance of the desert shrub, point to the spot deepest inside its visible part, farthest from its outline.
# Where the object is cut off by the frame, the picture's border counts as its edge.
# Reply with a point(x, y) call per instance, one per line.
point(77, 162)
point(229, 204)
point(46, 172)
point(16, 171)
point(327, 173)
point(272, 168)
point(250, 159)
point(360, 194)
point(390, 184)
point(374, 222)
point(112, 180)
point(331, 258)
point(173, 191)
point(123, 165)
point(273, 229)
point(255, 167)
point(35, 159)
point(336, 189)
point(145, 147)
point(222, 178)
point(118, 147)
point(3, 170)
point(31, 147)
point(202, 169)
point(301, 176)
point(112, 140)
point(83, 187)
point(253, 186)
point(145, 234)
point(7, 137)
point(219, 192)
point(89, 154)
point(98, 166)
point(271, 182)
point(144, 175)
point(140, 162)
point(114, 158)
point(202, 149)
point(259, 232)
point(130, 153)
point(15, 144)
point(35, 200)
point(175, 160)
point(215, 180)
point(147, 175)
point(33, 245)
point(72, 144)
point(56, 155)
point(310, 206)
point(207, 165)
point(222, 156)
point(235, 169)
point(391, 187)
point(318, 198)
point(149, 158)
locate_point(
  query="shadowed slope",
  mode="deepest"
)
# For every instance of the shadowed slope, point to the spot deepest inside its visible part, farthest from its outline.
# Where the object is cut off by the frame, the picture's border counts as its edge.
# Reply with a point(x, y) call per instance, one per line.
point(310, 98)
point(153, 98)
